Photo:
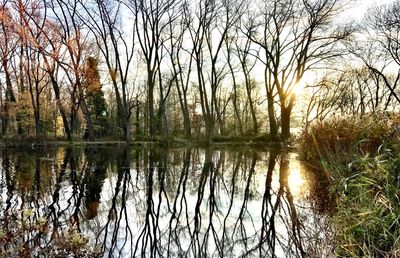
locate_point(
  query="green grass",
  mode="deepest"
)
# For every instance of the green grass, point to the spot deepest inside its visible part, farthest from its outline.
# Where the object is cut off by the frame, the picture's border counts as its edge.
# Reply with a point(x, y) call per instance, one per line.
point(361, 156)
point(367, 218)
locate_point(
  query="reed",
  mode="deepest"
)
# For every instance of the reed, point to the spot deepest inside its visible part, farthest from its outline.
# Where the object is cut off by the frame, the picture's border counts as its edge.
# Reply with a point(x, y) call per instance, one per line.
point(360, 155)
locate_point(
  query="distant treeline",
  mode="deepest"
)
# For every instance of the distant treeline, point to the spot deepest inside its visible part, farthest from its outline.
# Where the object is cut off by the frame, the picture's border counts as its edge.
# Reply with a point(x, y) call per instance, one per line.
point(157, 70)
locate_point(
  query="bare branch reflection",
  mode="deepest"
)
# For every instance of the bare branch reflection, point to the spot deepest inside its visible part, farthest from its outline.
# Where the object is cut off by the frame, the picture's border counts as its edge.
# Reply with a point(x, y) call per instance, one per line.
point(129, 202)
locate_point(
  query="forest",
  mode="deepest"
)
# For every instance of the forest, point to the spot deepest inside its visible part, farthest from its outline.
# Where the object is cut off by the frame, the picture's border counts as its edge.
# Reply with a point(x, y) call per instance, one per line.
point(144, 70)
point(203, 125)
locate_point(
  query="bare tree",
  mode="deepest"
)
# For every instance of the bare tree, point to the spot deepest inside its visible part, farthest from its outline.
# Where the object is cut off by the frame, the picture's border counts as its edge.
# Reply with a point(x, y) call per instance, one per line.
point(75, 41)
point(294, 36)
point(380, 53)
point(235, 84)
point(244, 54)
point(209, 27)
point(8, 48)
point(152, 21)
point(181, 64)
point(37, 81)
point(35, 29)
point(117, 47)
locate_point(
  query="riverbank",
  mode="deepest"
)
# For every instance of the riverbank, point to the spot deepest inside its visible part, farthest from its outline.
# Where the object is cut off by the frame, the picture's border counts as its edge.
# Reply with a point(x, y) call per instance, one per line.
point(218, 140)
point(360, 156)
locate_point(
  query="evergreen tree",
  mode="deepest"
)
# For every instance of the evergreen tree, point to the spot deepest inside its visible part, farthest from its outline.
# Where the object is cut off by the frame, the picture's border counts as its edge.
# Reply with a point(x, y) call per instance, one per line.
point(95, 98)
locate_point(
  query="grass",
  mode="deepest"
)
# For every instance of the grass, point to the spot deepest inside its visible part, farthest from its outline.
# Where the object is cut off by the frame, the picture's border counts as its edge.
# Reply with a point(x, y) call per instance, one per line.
point(361, 157)
point(349, 136)
point(367, 218)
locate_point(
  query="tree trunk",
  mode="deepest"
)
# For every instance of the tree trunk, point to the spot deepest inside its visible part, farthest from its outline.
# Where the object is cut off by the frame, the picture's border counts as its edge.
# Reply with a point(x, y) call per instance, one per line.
point(152, 117)
point(164, 124)
point(61, 108)
point(285, 121)
point(6, 119)
point(186, 122)
point(236, 109)
point(235, 95)
point(209, 124)
point(185, 112)
point(9, 97)
point(253, 117)
point(127, 130)
point(137, 123)
point(89, 122)
point(38, 125)
point(252, 108)
point(73, 122)
point(273, 127)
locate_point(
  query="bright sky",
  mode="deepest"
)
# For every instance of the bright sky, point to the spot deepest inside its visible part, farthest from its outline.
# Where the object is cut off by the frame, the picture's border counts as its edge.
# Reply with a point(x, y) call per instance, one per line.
point(359, 8)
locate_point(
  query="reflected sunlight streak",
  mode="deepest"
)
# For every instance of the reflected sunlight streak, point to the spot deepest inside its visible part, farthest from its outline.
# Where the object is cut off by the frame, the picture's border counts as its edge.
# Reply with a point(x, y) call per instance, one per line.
point(296, 181)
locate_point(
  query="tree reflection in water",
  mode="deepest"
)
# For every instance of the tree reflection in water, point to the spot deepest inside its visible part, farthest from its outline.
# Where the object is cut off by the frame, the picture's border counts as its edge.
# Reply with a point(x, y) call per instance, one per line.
point(155, 203)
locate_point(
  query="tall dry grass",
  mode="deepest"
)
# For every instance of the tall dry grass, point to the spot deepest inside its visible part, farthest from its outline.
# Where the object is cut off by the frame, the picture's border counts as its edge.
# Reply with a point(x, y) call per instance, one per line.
point(362, 157)
point(344, 137)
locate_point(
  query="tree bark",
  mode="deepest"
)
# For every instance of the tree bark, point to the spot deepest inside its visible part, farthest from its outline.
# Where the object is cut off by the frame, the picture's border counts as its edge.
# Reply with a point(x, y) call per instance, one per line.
point(56, 89)
point(86, 113)
point(285, 121)
point(127, 131)
point(273, 127)
point(252, 108)
point(185, 111)
point(150, 93)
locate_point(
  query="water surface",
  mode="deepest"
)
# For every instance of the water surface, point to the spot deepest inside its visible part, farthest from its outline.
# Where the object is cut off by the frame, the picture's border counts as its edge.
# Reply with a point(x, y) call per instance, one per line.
point(128, 202)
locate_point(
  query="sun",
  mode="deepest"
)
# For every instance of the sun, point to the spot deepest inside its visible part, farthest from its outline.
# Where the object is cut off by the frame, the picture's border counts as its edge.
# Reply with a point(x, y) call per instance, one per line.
point(298, 87)
point(307, 79)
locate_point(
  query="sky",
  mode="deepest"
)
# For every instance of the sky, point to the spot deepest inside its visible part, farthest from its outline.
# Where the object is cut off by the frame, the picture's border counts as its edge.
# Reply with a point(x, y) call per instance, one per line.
point(360, 8)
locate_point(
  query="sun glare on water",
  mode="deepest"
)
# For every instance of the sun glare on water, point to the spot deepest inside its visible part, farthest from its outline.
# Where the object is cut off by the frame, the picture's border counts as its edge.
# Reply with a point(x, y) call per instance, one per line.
point(296, 181)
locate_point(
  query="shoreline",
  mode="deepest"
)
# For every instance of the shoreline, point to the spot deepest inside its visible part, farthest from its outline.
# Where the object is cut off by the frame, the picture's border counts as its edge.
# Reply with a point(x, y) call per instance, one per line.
point(169, 144)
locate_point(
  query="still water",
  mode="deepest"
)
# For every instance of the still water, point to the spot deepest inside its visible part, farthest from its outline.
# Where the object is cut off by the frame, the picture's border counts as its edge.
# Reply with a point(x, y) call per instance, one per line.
point(131, 202)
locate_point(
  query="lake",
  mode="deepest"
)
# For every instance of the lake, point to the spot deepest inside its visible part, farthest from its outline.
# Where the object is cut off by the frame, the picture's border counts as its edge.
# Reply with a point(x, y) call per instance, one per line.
point(151, 202)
